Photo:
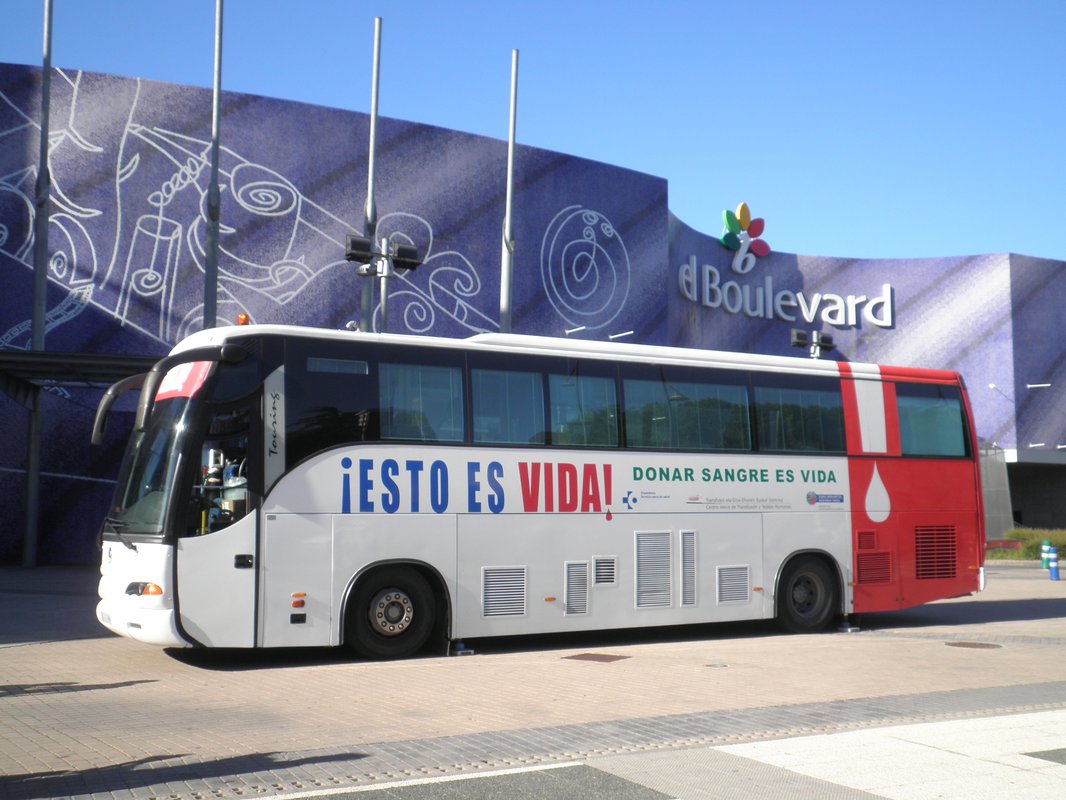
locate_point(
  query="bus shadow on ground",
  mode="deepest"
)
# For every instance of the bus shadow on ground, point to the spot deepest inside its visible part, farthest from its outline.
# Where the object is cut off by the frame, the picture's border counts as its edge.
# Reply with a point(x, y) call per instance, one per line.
point(233, 660)
point(947, 614)
point(967, 613)
point(624, 636)
point(224, 659)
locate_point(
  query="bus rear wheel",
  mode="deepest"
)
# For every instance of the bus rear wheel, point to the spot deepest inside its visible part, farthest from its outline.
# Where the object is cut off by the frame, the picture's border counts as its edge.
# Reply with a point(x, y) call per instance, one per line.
point(390, 614)
point(807, 596)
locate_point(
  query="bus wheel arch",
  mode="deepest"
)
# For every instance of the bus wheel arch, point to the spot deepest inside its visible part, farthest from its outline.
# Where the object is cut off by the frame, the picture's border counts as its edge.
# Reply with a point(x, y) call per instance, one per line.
point(392, 610)
point(809, 592)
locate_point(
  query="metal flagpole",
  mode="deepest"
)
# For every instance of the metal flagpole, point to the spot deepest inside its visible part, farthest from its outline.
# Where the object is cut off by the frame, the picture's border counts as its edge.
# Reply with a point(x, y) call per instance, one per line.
point(213, 199)
point(507, 249)
point(40, 290)
point(42, 190)
point(370, 212)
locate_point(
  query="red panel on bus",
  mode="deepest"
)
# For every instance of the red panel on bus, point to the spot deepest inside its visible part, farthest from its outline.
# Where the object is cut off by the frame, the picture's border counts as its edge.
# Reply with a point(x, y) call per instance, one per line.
point(916, 531)
point(183, 380)
point(916, 375)
point(916, 522)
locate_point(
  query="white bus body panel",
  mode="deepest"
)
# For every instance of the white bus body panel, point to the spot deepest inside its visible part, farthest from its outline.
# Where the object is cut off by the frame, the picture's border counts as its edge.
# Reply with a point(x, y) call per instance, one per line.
point(147, 618)
point(704, 540)
point(320, 555)
point(361, 541)
point(297, 551)
point(785, 535)
point(216, 599)
point(537, 550)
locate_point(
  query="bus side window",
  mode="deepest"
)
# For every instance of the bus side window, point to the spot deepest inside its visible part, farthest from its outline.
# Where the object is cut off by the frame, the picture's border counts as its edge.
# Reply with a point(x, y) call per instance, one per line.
point(330, 400)
point(508, 406)
point(686, 415)
point(421, 402)
point(584, 410)
point(798, 414)
point(648, 422)
point(931, 421)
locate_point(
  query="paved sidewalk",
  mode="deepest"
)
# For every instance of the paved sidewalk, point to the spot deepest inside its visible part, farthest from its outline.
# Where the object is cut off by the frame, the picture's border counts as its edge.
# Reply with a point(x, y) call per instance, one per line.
point(988, 758)
point(707, 712)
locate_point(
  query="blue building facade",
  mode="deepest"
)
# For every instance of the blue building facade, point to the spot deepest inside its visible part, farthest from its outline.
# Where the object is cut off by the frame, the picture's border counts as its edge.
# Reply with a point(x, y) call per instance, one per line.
point(597, 250)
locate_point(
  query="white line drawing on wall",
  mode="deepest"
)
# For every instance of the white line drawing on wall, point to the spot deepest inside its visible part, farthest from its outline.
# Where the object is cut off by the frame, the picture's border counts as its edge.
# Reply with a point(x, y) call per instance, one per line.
point(73, 256)
point(18, 337)
point(452, 283)
point(151, 272)
point(135, 243)
point(70, 135)
point(16, 215)
point(584, 267)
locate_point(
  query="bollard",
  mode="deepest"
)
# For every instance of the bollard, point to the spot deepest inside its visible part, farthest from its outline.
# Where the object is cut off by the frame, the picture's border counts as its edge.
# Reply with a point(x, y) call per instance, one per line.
point(1043, 553)
point(1053, 563)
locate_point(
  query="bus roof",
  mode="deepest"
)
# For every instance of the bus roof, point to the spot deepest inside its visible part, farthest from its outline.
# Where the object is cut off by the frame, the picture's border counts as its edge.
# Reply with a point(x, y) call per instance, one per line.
point(553, 346)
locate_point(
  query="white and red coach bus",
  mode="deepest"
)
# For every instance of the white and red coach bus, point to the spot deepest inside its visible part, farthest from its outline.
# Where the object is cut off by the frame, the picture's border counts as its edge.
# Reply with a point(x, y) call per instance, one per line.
point(292, 487)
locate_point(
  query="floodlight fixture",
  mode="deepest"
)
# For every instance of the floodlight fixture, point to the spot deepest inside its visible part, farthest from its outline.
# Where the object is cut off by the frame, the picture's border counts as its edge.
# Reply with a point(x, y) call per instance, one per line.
point(816, 341)
point(405, 256)
point(358, 248)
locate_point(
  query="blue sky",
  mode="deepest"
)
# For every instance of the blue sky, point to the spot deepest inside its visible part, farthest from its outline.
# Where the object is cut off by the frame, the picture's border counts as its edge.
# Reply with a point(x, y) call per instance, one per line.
point(867, 129)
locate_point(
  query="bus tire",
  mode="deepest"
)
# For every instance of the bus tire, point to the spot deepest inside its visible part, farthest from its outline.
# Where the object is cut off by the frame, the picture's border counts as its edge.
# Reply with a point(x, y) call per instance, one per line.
point(807, 596)
point(390, 614)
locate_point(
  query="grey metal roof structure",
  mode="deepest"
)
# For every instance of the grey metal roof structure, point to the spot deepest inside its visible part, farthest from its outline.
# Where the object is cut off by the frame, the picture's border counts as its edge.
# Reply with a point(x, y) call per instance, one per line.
point(23, 375)
point(43, 368)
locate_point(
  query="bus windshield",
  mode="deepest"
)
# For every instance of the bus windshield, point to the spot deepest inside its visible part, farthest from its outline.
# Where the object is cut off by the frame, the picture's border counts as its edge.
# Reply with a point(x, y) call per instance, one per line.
point(149, 468)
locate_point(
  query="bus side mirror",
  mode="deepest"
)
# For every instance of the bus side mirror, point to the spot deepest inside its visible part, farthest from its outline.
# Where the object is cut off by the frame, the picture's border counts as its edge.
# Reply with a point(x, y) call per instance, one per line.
point(112, 394)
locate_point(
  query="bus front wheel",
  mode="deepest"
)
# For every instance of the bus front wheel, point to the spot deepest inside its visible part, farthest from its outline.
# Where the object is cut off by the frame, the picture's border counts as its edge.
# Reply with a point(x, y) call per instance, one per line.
point(390, 614)
point(807, 596)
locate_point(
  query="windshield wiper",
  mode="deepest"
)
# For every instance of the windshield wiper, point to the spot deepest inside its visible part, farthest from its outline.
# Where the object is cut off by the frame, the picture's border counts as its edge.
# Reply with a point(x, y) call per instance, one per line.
point(117, 526)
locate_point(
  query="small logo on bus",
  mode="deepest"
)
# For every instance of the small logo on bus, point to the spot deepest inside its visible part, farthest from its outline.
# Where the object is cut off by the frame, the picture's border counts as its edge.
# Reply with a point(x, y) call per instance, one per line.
point(814, 498)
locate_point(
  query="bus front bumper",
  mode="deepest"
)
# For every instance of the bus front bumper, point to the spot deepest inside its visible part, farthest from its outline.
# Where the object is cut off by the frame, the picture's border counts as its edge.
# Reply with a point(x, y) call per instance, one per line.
point(150, 625)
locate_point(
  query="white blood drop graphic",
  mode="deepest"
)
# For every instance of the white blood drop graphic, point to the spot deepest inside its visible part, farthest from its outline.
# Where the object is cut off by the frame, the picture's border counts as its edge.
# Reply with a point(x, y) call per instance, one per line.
point(878, 504)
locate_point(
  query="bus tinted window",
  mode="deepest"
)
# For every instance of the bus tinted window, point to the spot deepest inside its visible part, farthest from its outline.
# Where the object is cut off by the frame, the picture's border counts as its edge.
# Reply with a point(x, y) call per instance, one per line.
point(329, 401)
point(508, 406)
point(796, 413)
point(931, 421)
point(234, 381)
point(686, 415)
point(421, 402)
point(584, 410)
point(338, 365)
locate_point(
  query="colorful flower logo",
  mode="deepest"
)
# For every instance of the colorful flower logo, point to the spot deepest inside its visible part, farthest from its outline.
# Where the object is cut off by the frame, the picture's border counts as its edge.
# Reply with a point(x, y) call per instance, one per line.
point(741, 229)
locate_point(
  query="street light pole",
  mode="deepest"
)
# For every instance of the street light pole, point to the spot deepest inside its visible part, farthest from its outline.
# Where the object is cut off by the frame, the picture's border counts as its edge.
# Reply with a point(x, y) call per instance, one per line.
point(42, 190)
point(370, 211)
point(507, 248)
point(213, 199)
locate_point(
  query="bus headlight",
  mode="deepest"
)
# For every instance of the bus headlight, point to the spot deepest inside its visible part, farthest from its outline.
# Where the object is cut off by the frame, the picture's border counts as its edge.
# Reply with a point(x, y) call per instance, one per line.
point(140, 589)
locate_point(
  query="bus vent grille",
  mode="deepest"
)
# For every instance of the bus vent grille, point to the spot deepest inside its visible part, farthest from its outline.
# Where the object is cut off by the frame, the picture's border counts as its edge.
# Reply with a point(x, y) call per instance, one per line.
point(934, 552)
point(733, 583)
point(576, 600)
point(874, 568)
point(503, 591)
point(653, 569)
point(688, 568)
point(605, 570)
point(867, 540)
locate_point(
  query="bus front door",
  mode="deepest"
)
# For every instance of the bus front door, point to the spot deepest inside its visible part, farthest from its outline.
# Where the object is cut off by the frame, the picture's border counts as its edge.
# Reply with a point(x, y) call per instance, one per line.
point(217, 585)
point(217, 553)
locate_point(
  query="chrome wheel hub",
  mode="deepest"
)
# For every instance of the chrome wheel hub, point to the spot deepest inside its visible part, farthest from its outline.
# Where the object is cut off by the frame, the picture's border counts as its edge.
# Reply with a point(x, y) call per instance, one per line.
point(391, 612)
